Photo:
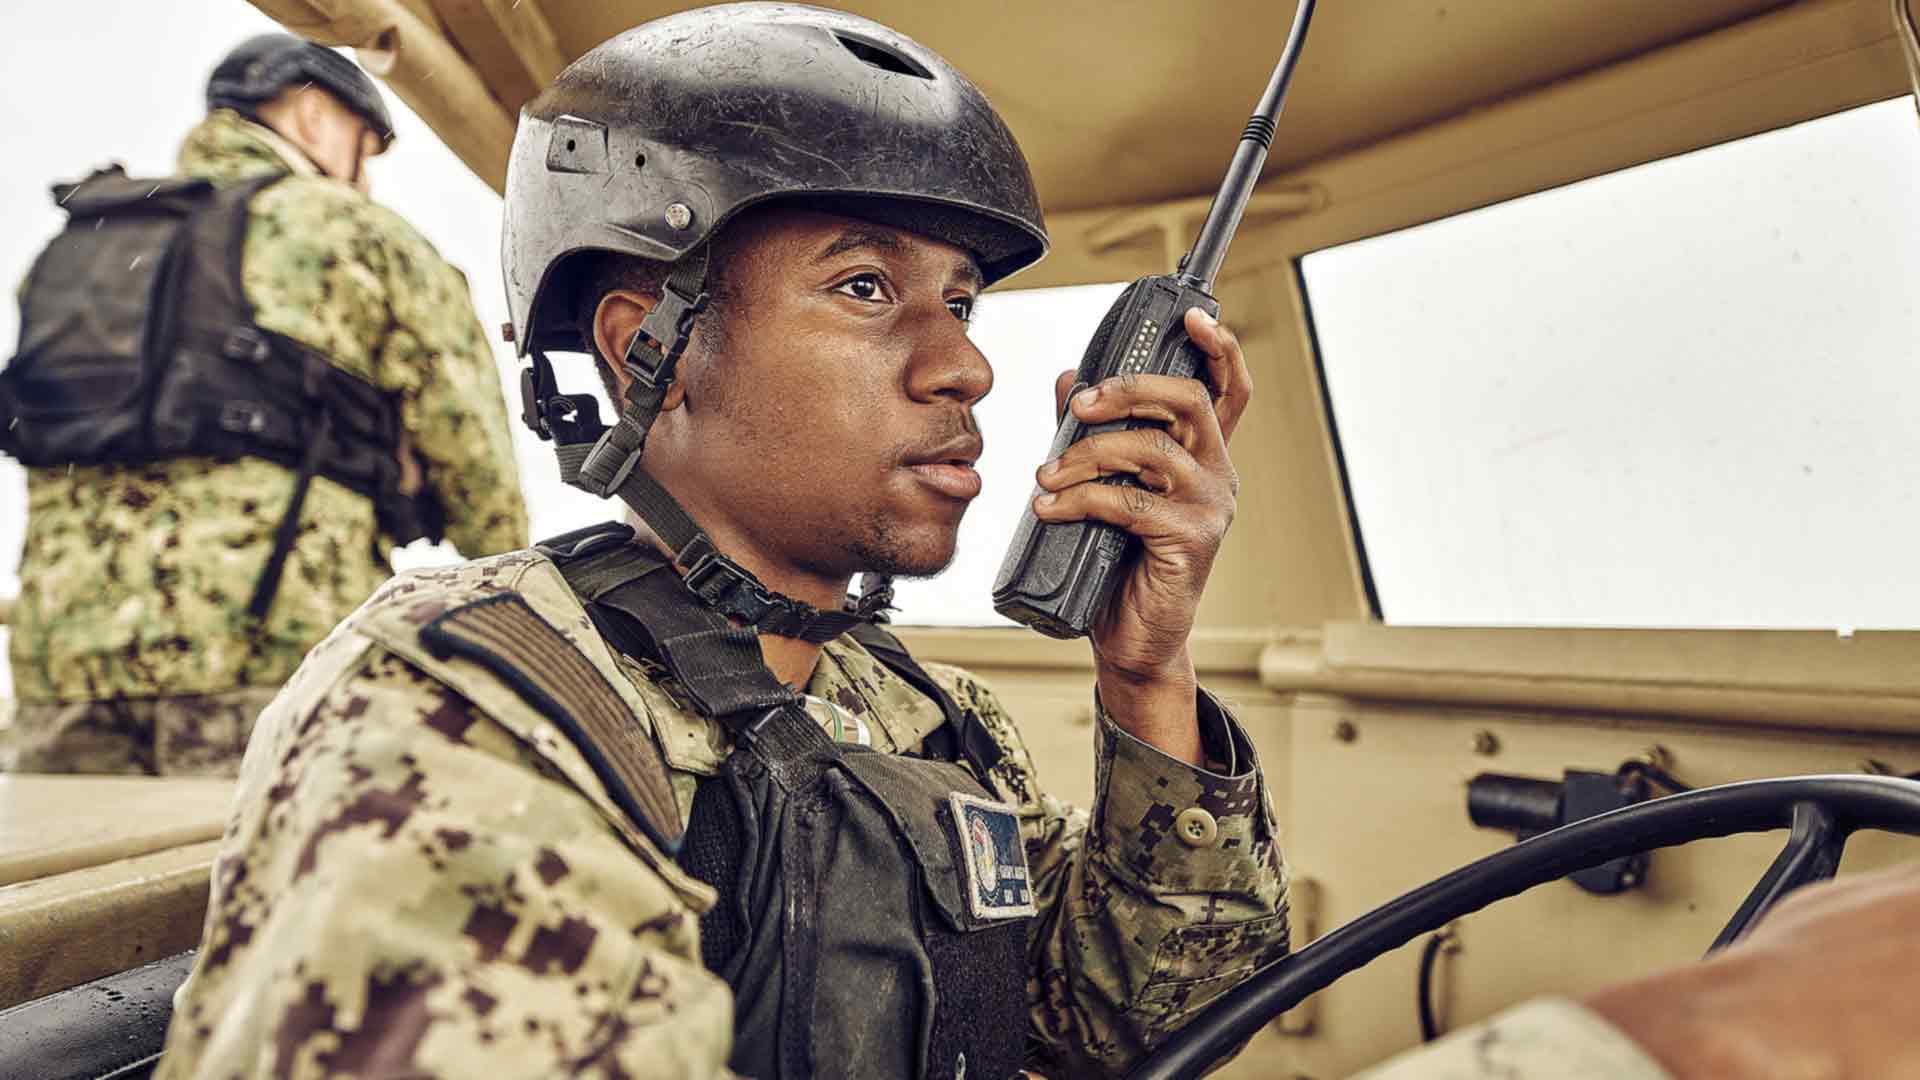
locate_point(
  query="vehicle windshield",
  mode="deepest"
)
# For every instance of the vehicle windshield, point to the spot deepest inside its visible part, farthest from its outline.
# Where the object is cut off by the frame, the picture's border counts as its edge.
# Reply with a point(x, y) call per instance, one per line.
point(1677, 395)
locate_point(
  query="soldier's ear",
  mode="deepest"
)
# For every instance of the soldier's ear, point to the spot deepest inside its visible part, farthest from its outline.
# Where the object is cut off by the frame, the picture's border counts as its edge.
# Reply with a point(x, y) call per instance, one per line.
point(615, 321)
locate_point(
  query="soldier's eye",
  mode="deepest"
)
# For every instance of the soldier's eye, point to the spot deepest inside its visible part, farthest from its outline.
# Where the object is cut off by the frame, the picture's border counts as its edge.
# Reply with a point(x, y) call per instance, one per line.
point(868, 287)
point(962, 308)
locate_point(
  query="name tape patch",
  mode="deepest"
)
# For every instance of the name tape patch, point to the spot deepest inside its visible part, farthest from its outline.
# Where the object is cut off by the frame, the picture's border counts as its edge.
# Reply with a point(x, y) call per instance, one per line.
point(997, 883)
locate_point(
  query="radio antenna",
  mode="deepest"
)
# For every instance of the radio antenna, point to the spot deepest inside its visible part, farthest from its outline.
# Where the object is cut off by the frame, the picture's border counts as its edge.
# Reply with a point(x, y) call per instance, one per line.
point(1202, 264)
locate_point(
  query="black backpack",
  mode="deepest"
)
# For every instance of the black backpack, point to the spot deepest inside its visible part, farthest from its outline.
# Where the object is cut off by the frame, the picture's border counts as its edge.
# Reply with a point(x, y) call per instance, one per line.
point(138, 344)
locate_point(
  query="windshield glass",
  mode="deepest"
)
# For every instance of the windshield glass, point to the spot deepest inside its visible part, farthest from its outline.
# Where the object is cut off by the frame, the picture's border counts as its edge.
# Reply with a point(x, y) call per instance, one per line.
point(1684, 394)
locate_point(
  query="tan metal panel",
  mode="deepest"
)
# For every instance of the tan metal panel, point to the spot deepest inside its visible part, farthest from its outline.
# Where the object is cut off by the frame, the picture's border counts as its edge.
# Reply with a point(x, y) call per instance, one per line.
point(72, 928)
point(1378, 807)
point(1802, 679)
point(54, 824)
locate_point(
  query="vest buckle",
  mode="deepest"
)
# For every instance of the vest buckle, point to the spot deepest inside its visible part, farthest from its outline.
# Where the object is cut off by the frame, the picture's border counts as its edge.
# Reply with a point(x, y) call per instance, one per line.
point(243, 417)
point(246, 343)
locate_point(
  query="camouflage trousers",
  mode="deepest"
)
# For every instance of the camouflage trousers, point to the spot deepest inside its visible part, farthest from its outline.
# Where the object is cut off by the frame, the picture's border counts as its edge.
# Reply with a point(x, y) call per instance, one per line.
point(188, 735)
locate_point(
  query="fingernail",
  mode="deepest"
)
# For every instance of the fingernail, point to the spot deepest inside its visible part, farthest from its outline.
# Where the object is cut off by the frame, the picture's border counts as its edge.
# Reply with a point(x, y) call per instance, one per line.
point(1088, 396)
point(1046, 500)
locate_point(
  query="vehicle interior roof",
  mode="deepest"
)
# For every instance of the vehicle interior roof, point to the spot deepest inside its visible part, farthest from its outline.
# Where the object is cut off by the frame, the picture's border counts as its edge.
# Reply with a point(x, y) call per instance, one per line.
point(1117, 102)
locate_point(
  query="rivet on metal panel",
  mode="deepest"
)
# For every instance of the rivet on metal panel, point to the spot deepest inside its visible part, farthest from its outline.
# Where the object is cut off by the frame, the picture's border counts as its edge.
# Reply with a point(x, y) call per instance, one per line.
point(1657, 756)
point(1486, 743)
point(1345, 731)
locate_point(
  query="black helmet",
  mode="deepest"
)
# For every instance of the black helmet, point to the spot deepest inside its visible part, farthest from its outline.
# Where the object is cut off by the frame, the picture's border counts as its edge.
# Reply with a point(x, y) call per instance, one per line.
point(260, 67)
point(654, 138)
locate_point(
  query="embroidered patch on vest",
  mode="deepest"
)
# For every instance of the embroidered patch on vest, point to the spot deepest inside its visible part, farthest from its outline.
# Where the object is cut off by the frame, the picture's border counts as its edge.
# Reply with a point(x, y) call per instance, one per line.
point(997, 883)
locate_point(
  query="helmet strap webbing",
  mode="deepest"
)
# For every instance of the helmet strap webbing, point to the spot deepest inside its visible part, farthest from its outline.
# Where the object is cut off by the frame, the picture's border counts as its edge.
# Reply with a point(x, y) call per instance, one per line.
point(606, 462)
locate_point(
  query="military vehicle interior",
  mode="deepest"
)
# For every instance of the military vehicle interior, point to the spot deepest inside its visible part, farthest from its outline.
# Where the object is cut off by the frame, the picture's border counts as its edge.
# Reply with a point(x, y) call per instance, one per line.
point(1382, 708)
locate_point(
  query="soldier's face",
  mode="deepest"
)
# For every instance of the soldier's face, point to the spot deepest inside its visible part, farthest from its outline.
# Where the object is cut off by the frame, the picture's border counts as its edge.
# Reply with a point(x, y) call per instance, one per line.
point(831, 423)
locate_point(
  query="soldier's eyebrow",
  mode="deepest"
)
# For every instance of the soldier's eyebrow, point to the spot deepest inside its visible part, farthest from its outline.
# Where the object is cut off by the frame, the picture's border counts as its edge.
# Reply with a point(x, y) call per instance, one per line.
point(888, 242)
point(863, 237)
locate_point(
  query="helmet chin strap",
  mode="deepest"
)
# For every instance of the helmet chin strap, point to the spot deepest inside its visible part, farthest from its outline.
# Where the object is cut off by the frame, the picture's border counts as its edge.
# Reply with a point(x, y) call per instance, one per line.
point(605, 461)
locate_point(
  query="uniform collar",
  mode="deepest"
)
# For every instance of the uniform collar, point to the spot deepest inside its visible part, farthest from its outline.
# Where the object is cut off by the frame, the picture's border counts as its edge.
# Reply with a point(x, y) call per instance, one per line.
point(227, 147)
point(850, 677)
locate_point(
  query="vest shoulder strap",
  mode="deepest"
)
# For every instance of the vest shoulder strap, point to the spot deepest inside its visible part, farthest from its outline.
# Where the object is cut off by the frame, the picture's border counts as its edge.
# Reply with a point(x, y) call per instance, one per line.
point(645, 610)
point(503, 634)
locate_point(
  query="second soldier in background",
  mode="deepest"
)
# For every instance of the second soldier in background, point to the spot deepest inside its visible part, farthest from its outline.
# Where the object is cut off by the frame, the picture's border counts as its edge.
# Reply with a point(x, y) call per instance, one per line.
point(233, 400)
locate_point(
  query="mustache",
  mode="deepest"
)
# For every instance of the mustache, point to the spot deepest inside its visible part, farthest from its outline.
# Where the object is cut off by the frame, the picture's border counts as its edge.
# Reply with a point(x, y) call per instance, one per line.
point(954, 429)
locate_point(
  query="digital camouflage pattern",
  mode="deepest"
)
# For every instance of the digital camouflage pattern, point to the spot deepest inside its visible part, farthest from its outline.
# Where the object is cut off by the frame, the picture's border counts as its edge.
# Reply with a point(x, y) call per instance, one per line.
point(135, 579)
point(423, 876)
point(183, 735)
point(1548, 1039)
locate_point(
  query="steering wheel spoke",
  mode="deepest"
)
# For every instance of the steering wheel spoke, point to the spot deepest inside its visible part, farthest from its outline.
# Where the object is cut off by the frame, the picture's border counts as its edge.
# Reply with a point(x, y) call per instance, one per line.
point(1815, 843)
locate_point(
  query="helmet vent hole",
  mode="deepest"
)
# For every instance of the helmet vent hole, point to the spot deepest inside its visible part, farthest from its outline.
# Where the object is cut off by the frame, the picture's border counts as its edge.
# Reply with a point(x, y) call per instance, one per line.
point(884, 57)
point(639, 161)
point(570, 146)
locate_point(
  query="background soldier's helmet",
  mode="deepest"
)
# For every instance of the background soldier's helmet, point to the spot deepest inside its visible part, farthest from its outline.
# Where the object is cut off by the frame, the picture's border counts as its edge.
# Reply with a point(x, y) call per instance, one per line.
point(650, 141)
point(259, 68)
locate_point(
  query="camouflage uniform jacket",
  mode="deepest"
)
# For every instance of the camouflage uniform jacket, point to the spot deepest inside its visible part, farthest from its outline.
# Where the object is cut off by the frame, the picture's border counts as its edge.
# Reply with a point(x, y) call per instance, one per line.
point(135, 579)
point(424, 877)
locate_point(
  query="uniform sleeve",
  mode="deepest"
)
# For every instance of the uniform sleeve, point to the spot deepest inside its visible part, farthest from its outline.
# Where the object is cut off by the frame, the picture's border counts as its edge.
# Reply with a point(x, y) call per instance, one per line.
point(1170, 892)
point(403, 892)
point(451, 403)
point(1548, 1039)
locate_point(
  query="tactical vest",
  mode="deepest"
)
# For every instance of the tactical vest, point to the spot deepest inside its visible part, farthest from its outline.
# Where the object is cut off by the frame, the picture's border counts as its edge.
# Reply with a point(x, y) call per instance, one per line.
point(138, 344)
point(873, 908)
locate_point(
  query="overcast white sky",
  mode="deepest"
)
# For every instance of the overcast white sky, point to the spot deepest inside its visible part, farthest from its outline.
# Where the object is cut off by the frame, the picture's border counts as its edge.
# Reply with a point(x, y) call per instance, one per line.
point(1681, 395)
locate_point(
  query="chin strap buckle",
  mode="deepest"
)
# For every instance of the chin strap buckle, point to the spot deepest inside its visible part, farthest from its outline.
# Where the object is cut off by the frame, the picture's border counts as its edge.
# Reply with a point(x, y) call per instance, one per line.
point(727, 587)
point(654, 350)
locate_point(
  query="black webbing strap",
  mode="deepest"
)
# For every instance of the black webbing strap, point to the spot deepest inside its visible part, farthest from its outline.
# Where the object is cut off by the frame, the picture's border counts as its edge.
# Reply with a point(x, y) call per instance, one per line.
point(653, 354)
point(641, 607)
point(640, 604)
point(288, 531)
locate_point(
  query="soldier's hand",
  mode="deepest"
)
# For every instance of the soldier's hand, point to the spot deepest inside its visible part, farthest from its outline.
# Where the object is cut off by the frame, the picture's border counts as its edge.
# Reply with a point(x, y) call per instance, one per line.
point(1180, 513)
point(1823, 986)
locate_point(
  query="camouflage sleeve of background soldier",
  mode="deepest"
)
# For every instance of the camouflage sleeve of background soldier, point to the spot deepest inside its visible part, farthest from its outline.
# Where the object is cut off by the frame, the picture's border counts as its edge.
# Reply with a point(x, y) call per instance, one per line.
point(1169, 893)
point(451, 403)
point(403, 891)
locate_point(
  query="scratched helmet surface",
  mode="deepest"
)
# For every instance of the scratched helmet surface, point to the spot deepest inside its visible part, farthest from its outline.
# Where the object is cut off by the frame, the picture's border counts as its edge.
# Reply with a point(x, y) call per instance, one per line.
point(653, 139)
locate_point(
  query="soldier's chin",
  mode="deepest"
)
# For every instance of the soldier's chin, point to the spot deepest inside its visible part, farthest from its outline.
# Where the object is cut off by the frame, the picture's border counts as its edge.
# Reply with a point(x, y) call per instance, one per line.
point(907, 553)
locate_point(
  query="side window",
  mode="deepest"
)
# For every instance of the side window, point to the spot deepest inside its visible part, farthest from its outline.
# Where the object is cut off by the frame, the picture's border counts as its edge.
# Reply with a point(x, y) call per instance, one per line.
point(1684, 394)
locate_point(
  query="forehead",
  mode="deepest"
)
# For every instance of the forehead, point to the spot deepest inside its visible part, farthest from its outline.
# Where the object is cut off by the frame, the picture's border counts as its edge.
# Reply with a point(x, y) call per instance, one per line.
point(793, 237)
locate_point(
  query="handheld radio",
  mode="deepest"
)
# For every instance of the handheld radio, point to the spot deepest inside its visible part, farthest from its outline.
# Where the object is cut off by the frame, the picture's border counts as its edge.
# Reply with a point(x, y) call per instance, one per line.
point(1057, 577)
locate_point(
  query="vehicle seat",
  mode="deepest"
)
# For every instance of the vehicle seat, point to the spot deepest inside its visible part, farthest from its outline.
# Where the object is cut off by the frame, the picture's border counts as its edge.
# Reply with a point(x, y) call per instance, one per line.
point(108, 1029)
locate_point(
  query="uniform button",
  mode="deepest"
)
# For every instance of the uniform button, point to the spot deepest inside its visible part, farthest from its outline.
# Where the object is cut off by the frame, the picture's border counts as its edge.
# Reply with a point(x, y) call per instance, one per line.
point(1196, 827)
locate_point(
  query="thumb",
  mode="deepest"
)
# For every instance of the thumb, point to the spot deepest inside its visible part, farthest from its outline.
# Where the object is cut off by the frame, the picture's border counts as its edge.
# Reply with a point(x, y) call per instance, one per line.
point(1062, 385)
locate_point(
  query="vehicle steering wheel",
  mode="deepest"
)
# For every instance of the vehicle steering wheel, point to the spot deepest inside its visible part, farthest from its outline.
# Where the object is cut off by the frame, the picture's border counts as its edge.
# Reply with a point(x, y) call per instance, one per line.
point(1820, 811)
